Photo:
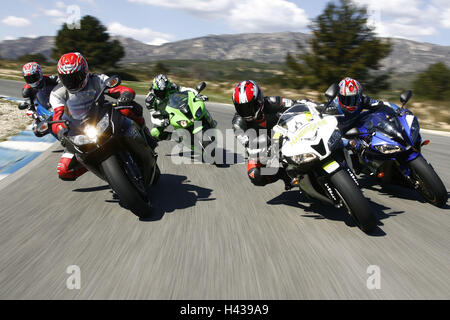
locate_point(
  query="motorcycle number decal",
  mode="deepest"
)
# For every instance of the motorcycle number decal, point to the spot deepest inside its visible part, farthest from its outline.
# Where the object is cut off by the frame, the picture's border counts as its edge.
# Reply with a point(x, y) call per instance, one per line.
point(331, 166)
point(308, 129)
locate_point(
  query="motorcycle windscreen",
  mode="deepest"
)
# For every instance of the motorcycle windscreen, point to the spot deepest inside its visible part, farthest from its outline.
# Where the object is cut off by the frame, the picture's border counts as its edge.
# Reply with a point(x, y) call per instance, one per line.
point(80, 104)
point(301, 113)
point(180, 101)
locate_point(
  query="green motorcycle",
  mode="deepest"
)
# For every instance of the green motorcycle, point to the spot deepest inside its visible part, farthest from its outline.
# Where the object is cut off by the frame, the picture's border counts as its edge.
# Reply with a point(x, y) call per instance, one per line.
point(190, 120)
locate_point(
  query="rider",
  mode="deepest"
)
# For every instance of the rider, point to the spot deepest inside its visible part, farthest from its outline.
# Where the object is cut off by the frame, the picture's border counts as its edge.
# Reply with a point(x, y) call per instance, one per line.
point(350, 102)
point(37, 87)
point(77, 89)
point(156, 100)
point(254, 111)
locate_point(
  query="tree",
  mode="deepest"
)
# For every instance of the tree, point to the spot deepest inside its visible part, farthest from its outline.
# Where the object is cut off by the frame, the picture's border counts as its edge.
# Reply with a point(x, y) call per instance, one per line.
point(92, 41)
point(160, 68)
point(433, 83)
point(342, 44)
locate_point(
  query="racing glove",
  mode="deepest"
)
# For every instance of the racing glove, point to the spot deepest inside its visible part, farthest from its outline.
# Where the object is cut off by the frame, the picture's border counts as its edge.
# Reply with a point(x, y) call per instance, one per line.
point(126, 98)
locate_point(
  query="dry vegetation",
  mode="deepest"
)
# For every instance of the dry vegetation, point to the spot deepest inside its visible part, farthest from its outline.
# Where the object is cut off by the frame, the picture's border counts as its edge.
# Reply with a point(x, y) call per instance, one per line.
point(12, 120)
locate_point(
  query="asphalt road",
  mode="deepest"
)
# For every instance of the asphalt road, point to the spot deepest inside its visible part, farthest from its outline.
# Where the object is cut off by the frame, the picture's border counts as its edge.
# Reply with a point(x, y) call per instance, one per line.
point(215, 236)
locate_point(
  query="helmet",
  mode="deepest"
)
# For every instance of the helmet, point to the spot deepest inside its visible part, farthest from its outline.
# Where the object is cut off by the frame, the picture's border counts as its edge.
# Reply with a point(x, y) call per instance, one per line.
point(248, 99)
point(349, 94)
point(161, 85)
point(32, 73)
point(73, 71)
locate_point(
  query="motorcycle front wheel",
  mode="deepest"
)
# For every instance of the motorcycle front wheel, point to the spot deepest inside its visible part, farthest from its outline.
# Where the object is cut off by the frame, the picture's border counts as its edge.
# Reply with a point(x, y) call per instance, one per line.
point(354, 201)
point(133, 198)
point(430, 186)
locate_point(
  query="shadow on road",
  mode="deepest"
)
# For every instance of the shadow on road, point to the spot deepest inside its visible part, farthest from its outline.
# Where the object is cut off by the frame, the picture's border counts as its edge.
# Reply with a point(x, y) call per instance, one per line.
point(223, 159)
point(174, 192)
point(319, 210)
point(92, 189)
point(393, 190)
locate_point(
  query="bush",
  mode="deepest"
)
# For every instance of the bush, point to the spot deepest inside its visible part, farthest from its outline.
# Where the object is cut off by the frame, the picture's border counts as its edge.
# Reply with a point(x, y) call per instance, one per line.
point(433, 83)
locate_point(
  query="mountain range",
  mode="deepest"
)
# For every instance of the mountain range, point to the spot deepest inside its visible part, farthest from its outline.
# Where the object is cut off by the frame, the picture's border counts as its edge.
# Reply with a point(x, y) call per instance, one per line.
point(406, 56)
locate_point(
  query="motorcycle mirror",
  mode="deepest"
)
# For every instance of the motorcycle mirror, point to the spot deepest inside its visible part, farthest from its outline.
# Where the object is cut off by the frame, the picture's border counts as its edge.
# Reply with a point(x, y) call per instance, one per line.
point(332, 91)
point(405, 96)
point(201, 86)
point(112, 82)
point(352, 133)
point(23, 105)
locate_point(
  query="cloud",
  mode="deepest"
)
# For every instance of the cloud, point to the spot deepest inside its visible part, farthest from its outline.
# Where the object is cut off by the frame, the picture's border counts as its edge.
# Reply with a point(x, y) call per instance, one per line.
point(267, 16)
point(411, 19)
point(446, 18)
point(145, 35)
point(201, 7)
point(16, 21)
point(243, 16)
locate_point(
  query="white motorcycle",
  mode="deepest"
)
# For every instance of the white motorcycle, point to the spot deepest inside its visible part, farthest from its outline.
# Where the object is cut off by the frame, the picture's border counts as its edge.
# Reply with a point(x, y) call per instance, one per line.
point(312, 153)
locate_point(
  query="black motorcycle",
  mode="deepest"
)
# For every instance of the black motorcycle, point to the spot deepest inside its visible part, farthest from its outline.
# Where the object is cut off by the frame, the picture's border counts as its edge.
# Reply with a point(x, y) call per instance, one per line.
point(115, 149)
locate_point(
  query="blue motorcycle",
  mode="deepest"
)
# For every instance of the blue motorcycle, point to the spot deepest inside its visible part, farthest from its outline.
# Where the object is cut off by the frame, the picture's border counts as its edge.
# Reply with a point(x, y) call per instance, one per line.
point(388, 145)
point(39, 114)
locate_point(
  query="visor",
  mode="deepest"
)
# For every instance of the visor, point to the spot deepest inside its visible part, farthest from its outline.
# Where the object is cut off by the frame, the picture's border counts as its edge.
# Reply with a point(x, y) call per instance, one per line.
point(349, 101)
point(32, 78)
point(246, 110)
point(73, 81)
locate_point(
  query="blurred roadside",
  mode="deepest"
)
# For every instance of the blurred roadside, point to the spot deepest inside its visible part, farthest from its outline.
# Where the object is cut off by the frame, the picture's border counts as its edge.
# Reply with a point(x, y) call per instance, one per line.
point(222, 76)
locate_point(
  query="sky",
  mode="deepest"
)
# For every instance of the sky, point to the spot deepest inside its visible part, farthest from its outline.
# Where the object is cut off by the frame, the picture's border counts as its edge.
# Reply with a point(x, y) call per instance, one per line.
point(159, 21)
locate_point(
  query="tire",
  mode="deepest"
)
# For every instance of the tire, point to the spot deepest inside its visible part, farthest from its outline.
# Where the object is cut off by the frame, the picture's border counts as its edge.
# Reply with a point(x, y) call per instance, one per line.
point(127, 192)
point(431, 186)
point(355, 202)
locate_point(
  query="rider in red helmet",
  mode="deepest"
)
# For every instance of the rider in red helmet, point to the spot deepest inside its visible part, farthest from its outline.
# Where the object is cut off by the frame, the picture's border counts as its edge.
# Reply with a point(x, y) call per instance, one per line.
point(38, 86)
point(254, 111)
point(349, 102)
point(76, 92)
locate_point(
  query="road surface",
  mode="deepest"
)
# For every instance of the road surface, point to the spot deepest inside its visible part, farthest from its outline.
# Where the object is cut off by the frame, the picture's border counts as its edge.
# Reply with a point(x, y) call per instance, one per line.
point(215, 236)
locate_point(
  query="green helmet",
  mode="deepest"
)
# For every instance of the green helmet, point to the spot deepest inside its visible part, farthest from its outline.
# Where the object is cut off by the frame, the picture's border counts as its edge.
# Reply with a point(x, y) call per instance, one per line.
point(161, 86)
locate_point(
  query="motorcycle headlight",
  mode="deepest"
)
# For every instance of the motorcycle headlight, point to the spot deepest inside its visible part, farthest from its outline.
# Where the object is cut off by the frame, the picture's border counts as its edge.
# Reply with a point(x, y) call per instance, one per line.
point(80, 140)
point(334, 139)
point(388, 148)
point(91, 132)
point(199, 113)
point(183, 123)
point(103, 124)
point(304, 158)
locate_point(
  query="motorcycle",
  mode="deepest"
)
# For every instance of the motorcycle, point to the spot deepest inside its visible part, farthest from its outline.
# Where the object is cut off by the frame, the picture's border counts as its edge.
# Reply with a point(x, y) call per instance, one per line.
point(390, 149)
point(311, 152)
point(186, 110)
point(114, 148)
point(39, 114)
